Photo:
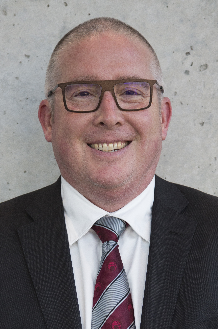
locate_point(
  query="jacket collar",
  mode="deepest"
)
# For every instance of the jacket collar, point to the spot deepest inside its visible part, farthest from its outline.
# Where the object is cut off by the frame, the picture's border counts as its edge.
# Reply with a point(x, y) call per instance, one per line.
point(171, 235)
point(46, 250)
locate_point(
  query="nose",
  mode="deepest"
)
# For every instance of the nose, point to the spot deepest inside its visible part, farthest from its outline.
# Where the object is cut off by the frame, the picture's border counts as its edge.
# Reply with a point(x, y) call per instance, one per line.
point(108, 115)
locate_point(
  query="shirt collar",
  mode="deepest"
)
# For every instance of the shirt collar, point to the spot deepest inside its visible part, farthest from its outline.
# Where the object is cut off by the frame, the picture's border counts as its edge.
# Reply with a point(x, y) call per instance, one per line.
point(81, 214)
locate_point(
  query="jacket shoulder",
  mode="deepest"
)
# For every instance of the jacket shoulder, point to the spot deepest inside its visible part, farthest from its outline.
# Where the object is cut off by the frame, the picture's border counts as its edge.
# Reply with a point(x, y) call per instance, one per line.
point(200, 206)
point(194, 197)
point(14, 209)
point(198, 198)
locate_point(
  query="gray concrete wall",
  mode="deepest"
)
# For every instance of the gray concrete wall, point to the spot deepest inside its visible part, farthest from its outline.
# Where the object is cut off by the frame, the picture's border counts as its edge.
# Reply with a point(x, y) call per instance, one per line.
point(184, 34)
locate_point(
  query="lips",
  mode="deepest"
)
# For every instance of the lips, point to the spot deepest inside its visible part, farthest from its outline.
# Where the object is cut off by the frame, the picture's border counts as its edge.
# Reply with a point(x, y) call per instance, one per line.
point(111, 147)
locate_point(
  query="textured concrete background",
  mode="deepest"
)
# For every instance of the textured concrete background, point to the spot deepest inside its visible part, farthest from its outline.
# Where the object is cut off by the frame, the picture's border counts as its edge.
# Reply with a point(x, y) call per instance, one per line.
point(185, 37)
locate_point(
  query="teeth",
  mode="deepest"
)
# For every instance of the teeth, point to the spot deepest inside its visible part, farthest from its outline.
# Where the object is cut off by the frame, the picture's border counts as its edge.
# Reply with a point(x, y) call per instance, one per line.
point(111, 147)
point(105, 148)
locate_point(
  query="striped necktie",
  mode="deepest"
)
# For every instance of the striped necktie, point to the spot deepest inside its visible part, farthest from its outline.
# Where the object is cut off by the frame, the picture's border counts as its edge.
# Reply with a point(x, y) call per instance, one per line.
point(112, 302)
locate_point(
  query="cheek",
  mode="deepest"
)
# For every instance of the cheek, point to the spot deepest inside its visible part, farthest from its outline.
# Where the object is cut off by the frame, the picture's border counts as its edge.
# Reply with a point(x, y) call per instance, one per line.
point(149, 127)
point(68, 141)
point(63, 142)
point(150, 141)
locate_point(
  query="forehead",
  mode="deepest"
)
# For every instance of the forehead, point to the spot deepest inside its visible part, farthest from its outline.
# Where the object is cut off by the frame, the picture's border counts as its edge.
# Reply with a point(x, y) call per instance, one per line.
point(105, 56)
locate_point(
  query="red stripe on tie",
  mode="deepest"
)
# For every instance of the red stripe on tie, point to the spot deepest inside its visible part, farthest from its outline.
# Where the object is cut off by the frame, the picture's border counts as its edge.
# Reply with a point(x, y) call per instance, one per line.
point(105, 234)
point(110, 269)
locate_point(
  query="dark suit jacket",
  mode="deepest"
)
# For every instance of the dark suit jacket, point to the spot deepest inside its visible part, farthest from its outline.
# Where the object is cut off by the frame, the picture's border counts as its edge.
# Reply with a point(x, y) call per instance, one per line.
point(37, 288)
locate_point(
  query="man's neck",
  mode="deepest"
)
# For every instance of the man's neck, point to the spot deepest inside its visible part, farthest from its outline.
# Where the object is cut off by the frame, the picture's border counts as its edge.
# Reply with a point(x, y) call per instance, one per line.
point(112, 199)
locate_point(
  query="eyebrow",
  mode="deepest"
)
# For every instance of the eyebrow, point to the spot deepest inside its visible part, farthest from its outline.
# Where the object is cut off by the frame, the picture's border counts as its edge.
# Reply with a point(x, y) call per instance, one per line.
point(125, 77)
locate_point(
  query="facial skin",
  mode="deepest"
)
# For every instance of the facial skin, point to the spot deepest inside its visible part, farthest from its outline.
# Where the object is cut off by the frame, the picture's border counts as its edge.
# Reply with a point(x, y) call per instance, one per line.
point(108, 179)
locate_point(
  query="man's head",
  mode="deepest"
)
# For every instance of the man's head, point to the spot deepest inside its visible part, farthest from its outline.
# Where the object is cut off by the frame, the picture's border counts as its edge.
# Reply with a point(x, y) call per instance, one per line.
point(91, 28)
point(108, 179)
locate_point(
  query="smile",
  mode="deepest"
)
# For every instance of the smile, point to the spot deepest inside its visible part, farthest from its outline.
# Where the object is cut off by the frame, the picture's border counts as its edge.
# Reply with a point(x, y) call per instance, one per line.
point(111, 147)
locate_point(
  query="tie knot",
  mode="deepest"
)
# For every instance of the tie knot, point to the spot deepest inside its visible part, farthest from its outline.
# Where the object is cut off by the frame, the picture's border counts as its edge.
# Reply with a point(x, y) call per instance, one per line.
point(109, 228)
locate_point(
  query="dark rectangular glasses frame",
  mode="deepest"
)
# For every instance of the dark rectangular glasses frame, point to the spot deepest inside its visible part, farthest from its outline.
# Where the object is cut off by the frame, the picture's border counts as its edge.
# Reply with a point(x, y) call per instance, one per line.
point(106, 85)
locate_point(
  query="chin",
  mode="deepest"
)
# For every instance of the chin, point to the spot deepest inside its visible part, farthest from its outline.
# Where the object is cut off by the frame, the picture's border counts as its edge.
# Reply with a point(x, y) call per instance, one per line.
point(112, 184)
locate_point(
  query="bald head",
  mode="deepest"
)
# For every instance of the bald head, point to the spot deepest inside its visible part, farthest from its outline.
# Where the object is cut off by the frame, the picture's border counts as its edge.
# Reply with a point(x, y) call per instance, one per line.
point(88, 29)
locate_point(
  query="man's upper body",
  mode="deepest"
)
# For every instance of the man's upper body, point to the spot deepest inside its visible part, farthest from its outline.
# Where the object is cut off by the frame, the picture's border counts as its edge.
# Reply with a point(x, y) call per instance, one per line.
point(38, 285)
point(106, 118)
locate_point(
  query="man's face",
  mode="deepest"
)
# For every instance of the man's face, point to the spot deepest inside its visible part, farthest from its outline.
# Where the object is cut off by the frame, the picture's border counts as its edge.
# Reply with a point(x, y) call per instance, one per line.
point(107, 56)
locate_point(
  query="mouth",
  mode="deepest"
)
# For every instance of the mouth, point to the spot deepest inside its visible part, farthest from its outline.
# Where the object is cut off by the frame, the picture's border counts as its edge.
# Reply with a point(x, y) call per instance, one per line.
point(111, 147)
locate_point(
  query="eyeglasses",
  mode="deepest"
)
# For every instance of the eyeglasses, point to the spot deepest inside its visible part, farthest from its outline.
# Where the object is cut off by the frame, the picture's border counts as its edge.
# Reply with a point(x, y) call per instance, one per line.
point(86, 96)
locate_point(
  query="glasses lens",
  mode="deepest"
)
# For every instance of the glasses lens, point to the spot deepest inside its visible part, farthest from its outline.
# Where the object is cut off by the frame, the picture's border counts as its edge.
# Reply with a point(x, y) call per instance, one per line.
point(132, 95)
point(82, 97)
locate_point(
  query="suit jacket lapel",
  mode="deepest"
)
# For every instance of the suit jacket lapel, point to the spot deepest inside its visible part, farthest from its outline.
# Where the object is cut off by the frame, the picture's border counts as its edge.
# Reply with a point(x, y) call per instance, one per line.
point(46, 249)
point(171, 236)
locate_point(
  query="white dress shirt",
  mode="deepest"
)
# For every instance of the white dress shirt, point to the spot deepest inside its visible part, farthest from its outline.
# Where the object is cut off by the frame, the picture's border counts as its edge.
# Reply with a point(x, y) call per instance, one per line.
point(86, 247)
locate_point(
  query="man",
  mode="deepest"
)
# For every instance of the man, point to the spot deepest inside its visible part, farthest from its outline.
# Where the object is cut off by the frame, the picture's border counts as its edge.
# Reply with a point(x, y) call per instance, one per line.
point(106, 117)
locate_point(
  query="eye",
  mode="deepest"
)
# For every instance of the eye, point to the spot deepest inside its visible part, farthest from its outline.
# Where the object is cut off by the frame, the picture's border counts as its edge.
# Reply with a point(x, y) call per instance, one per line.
point(82, 94)
point(131, 92)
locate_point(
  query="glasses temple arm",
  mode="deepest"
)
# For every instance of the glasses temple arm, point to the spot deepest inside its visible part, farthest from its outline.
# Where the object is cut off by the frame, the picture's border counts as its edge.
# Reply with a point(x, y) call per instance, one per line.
point(51, 92)
point(161, 88)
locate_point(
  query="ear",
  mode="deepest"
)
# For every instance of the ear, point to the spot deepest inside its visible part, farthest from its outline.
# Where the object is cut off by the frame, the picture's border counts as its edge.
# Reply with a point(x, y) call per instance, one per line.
point(166, 114)
point(45, 118)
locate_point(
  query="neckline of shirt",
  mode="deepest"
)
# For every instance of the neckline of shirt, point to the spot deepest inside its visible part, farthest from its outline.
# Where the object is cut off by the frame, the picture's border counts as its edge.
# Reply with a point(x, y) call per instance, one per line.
point(81, 214)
